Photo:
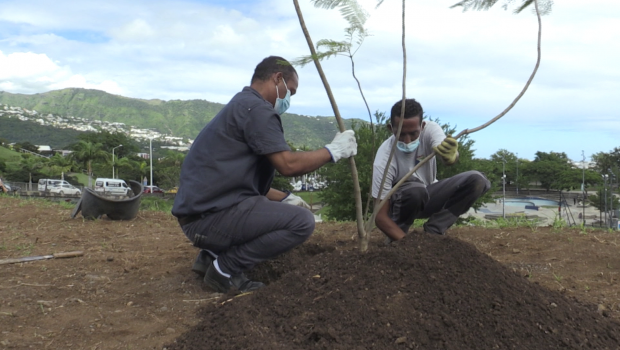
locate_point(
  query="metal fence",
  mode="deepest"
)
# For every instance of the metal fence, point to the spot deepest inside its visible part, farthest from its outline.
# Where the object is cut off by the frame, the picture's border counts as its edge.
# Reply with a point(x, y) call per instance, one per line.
point(32, 189)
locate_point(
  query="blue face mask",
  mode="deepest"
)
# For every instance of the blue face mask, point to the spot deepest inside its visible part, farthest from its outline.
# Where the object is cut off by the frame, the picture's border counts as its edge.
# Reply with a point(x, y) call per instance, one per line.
point(282, 104)
point(408, 147)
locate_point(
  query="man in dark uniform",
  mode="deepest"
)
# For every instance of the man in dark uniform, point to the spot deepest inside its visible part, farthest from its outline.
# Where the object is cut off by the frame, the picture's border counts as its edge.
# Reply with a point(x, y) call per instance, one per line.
point(225, 204)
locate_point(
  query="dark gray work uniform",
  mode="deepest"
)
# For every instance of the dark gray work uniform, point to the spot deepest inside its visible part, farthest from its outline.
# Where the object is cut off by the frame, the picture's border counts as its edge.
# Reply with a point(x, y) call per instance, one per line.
point(441, 202)
point(221, 203)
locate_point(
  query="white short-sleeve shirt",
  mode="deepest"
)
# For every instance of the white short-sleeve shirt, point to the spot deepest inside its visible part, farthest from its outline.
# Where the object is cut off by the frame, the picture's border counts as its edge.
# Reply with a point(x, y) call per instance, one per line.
point(402, 163)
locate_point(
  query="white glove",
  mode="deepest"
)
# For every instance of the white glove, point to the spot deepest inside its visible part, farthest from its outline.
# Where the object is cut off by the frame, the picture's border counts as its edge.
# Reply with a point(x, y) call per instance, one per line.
point(343, 145)
point(295, 200)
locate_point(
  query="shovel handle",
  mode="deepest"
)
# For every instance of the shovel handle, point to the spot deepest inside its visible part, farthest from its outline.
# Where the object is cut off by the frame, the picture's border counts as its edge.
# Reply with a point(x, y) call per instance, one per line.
point(69, 254)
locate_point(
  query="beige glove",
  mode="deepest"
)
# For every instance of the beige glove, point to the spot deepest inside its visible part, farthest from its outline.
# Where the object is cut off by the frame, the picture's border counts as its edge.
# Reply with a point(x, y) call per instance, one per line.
point(447, 150)
point(295, 200)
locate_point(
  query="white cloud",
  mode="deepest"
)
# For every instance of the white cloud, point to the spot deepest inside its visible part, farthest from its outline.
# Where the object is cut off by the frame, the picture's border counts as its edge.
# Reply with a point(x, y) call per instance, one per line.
point(134, 31)
point(28, 65)
point(27, 72)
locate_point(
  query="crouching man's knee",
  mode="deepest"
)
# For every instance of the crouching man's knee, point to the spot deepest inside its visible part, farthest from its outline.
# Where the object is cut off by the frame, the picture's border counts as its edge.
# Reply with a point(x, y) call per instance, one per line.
point(412, 196)
point(304, 224)
point(478, 182)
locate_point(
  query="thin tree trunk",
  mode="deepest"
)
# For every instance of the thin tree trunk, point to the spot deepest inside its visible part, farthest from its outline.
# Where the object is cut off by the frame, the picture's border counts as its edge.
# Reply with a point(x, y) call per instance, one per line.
point(90, 176)
point(363, 235)
point(371, 220)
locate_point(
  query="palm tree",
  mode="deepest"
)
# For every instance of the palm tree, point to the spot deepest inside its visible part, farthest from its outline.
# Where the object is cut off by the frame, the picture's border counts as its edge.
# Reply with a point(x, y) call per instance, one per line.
point(477, 5)
point(85, 152)
point(123, 164)
point(31, 164)
point(59, 165)
point(144, 168)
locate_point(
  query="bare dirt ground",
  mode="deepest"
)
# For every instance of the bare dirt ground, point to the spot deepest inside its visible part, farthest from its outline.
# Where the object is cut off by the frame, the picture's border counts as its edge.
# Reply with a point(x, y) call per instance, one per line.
point(477, 288)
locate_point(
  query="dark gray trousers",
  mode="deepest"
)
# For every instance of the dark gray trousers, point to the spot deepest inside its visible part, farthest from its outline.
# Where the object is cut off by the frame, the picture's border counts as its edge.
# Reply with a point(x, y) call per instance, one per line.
point(441, 202)
point(250, 232)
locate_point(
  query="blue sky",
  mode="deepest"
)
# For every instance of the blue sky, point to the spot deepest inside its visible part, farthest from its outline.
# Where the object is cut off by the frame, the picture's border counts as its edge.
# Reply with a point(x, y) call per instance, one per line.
point(464, 68)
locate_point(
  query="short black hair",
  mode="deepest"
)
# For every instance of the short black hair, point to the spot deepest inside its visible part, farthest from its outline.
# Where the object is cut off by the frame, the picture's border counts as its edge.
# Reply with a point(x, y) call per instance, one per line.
point(270, 65)
point(412, 109)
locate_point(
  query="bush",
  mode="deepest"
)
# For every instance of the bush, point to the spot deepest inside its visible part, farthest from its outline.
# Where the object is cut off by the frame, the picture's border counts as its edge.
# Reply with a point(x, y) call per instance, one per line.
point(339, 195)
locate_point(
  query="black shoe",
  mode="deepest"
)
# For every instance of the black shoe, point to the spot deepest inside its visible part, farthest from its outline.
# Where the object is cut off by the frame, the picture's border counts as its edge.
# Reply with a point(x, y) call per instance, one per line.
point(217, 281)
point(203, 260)
point(222, 284)
point(244, 284)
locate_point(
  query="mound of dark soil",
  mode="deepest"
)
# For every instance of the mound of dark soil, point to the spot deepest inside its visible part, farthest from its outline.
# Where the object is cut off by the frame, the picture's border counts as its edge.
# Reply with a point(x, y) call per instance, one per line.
point(426, 292)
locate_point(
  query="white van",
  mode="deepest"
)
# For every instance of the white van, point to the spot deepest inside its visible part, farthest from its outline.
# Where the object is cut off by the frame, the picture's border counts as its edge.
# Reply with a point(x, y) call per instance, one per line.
point(46, 184)
point(116, 187)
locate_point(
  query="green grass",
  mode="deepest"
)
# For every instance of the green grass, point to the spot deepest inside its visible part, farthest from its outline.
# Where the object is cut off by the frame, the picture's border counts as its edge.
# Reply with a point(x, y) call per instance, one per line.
point(8, 155)
point(310, 197)
point(82, 178)
point(314, 197)
point(156, 203)
point(511, 221)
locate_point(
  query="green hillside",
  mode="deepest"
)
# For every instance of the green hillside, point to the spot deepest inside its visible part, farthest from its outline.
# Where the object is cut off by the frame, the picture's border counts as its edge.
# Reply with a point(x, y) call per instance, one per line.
point(8, 155)
point(15, 130)
point(176, 117)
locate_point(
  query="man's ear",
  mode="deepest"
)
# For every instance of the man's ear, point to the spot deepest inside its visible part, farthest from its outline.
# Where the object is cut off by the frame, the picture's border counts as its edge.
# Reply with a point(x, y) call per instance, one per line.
point(389, 127)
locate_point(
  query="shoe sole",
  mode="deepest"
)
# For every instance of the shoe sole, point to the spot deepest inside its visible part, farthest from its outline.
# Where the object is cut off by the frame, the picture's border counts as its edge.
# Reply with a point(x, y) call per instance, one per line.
point(215, 286)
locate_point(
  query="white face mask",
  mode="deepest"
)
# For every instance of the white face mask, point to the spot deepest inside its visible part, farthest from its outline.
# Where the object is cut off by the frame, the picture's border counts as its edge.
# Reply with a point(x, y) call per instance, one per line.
point(282, 104)
point(408, 147)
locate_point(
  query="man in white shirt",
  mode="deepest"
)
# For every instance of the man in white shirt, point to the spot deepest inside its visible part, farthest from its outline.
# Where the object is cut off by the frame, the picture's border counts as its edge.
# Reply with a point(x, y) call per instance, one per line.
point(421, 195)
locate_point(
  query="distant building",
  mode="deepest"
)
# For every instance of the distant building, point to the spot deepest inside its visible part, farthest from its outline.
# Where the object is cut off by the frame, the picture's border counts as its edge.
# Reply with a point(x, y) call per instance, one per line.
point(63, 152)
point(586, 165)
point(44, 149)
point(177, 148)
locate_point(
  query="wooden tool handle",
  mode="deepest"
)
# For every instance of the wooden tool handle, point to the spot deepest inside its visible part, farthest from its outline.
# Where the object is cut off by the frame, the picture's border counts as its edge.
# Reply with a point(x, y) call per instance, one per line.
point(10, 261)
point(69, 254)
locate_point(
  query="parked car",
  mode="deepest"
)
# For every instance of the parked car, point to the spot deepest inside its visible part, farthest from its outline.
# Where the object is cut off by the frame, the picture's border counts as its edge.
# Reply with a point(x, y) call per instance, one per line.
point(68, 190)
point(173, 190)
point(152, 189)
point(47, 184)
point(116, 187)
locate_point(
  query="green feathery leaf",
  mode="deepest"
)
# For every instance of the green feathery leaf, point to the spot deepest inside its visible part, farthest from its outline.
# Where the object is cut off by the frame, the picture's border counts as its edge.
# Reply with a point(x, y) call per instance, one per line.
point(477, 5)
point(304, 60)
point(351, 10)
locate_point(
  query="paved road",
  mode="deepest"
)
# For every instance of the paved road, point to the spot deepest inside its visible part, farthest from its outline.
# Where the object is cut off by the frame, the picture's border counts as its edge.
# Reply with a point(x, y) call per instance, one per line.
point(547, 215)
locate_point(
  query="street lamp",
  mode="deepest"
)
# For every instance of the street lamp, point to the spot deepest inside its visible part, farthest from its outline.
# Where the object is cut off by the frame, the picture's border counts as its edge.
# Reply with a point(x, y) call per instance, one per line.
point(113, 160)
point(151, 159)
point(504, 188)
point(583, 187)
point(605, 186)
point(517, 174)
point(611, 198)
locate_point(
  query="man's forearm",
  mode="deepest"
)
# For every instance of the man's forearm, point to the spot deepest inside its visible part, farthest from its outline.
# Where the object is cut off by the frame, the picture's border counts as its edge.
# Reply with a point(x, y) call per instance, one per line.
point(389, 227)
point(305, 162)
point(299, 163)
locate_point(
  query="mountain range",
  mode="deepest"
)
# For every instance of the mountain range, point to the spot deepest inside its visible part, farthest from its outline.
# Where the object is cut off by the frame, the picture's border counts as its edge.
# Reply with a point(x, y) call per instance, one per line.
point(175, 118)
